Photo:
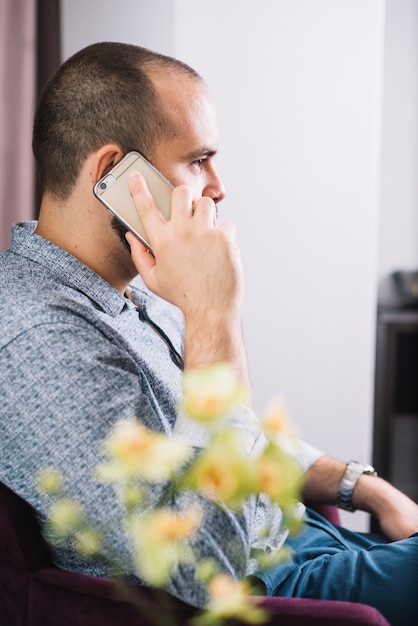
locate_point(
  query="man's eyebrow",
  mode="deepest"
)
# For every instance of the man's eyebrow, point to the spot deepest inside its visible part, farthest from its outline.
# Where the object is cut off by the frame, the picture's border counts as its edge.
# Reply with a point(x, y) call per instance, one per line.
point(203, 152)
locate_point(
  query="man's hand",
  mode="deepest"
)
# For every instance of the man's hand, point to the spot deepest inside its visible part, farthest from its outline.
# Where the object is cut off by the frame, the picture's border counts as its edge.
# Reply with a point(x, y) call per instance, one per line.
point(196, 266)
point(397, 514)
point(195, 261)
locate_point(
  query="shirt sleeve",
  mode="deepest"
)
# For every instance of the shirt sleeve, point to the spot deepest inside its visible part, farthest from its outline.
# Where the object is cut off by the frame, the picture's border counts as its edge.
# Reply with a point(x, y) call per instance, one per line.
point(242, 419)
point(247, 423)
point(306, 455)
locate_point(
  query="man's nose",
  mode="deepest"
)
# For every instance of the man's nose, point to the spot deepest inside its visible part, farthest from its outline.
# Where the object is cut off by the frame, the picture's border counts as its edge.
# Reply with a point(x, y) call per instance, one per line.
point(214, 188)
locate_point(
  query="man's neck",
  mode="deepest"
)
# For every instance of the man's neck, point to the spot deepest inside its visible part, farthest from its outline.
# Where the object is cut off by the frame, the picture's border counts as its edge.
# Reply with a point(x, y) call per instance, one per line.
point(86, 233)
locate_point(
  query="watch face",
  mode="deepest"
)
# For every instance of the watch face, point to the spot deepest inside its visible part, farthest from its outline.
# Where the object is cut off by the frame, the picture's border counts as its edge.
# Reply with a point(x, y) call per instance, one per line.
point(368, 469)
point(361, 468)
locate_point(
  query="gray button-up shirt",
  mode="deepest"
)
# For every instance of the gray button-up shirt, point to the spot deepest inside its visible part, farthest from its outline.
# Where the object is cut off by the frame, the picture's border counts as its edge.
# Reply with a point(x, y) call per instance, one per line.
point(76, 356)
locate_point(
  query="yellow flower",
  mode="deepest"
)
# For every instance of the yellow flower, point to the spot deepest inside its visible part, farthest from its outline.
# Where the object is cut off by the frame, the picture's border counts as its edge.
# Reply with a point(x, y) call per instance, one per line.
point(275, 419)
point(231, 599)
point(50, 480)
point(278, 428)
point(134, 450)
point(278, 475)
point(222, 472)
point(206, 569)
point(88, 542)
point(266, 559)
point(133, 496)
point(223, 589)
point(162, 539)
point(166, 525)
point(211, 392)
point(65, 516)
point(157, 539)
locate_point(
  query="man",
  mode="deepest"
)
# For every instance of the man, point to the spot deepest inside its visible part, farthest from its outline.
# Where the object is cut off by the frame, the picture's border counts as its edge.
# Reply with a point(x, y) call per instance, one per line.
point(85, 341)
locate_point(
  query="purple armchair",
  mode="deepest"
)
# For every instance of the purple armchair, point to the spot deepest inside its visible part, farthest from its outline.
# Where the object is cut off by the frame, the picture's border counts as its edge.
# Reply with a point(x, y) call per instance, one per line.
point(35, 593)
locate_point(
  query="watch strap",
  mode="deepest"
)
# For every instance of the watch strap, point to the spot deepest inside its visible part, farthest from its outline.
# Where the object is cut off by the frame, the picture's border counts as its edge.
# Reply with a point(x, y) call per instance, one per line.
point(352, 473)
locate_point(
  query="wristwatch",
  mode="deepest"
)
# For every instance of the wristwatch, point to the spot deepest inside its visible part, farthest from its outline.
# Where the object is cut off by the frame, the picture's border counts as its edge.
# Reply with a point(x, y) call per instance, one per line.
point(352, 473)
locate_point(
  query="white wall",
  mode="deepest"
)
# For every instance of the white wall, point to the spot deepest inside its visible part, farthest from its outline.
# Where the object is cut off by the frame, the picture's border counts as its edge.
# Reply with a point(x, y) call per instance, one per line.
point(398, 236)
point(147, 23)
point(298, 87)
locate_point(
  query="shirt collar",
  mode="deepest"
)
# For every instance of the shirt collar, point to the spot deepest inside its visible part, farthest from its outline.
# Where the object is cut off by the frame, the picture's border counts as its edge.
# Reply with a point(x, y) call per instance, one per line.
point(70, 270)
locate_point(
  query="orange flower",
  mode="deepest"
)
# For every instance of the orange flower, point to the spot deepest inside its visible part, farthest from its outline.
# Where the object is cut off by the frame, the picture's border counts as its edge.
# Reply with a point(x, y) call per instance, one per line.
point(168, 525)
point(275, 419)
point(160, 541)
point(230, 598)
point(134, 450)
point(278, 475)
point(211, 392)
point(222, 471)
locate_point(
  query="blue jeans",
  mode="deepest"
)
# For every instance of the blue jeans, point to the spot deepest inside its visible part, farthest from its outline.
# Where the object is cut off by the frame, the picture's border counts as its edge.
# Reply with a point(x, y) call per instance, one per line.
point(333, 563)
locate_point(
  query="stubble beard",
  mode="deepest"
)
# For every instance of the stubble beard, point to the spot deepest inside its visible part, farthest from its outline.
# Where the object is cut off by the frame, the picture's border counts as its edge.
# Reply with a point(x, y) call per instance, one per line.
point(121, 231)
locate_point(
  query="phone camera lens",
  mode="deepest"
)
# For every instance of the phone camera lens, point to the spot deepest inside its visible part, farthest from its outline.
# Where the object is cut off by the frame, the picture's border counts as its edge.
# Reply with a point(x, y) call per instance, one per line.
point(103, 185)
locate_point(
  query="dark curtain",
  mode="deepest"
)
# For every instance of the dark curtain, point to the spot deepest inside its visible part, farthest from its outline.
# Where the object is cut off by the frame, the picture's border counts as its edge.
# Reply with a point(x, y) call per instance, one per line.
point(48, 52)
point(48, 40)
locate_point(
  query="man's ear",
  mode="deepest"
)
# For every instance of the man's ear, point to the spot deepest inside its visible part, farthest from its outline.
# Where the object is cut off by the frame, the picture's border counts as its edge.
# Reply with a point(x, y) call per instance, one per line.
point(104, 159)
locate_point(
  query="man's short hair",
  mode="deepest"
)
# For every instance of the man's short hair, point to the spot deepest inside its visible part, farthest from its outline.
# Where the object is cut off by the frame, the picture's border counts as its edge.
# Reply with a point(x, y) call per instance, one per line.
point(102, 94)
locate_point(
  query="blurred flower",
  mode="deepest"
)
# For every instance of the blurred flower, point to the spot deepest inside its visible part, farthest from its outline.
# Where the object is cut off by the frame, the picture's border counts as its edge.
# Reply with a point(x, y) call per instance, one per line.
point(230, 598)
point(65, 517)
point(162, 538)
point(134, 450)
point(222, 472)
point(275, 419)
point(267, 558)
point(158, 538)
point(133, 495)
point(88, 541)
point(278, 428)
point(278, 475)
point(211, 392)
point(50, 480)
point(206, 569)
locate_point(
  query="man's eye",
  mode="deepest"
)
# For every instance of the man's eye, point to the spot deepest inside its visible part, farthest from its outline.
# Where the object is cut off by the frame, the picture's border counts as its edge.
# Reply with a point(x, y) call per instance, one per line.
point(198, 163)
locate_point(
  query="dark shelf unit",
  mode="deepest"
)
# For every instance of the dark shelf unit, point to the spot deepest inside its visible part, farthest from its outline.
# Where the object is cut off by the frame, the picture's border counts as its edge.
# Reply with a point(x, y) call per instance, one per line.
point(395, 424)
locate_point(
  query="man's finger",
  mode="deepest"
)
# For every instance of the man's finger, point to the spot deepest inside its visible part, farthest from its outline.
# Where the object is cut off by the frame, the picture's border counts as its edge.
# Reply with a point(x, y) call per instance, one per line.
point(143, 260)
point(145, 205)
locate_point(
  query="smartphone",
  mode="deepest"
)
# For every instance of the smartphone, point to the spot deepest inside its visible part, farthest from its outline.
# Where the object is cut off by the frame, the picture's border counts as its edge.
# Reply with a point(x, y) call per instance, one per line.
point(113, 191)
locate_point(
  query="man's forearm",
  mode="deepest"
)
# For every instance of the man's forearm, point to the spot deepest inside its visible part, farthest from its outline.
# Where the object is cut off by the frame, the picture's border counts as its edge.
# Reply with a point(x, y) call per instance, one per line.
point(214, 342)
point(397, 514)
point(322, 480)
